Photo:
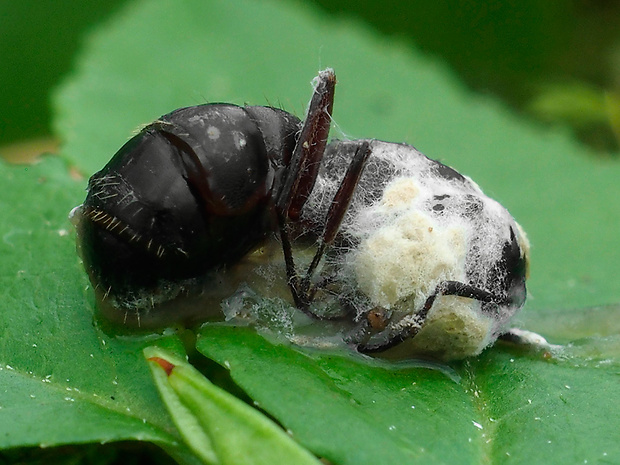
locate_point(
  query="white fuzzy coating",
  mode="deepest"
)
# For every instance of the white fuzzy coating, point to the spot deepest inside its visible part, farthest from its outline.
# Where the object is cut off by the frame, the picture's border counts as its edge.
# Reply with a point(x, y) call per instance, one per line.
point(412, 224)
point(455, 328)
point(433, 254)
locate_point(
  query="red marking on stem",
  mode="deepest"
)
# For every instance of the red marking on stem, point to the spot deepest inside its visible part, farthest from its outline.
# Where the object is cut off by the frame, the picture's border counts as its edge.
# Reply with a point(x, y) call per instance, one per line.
point(165, 364)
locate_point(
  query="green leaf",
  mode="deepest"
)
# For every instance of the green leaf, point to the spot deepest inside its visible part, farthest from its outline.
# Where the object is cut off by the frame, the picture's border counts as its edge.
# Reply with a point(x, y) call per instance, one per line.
point(575, 102)
point(195, 437)
point(217, 425)
point(531, 409)
point(63, 379)
point(37, 43)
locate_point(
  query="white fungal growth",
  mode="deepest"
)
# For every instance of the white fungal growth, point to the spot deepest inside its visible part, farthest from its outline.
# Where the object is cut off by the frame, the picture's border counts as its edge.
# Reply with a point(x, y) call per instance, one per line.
point(239, 139)
point(213, 132)
point(406, 260)
point(414, 223)
point(455, 328)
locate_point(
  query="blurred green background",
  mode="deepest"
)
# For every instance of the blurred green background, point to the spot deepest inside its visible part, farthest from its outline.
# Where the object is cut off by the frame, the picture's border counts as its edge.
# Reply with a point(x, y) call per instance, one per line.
point(557, 61)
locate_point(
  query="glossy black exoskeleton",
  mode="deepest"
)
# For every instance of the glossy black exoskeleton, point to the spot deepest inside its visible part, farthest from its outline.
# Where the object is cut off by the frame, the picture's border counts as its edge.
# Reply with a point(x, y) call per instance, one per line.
point(190, 192)
point(201, 187)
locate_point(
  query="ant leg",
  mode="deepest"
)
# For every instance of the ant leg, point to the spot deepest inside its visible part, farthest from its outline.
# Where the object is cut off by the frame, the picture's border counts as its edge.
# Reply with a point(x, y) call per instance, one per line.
point(303, 170)
point(335, 214)
point(299, 182)
point(306, 158)
point(409, 325)
point(302, 289)
point(461, 290)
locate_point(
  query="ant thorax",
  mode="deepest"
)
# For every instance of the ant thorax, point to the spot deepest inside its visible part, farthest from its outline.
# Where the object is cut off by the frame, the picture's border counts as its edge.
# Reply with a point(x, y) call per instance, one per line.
point(412, 224)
